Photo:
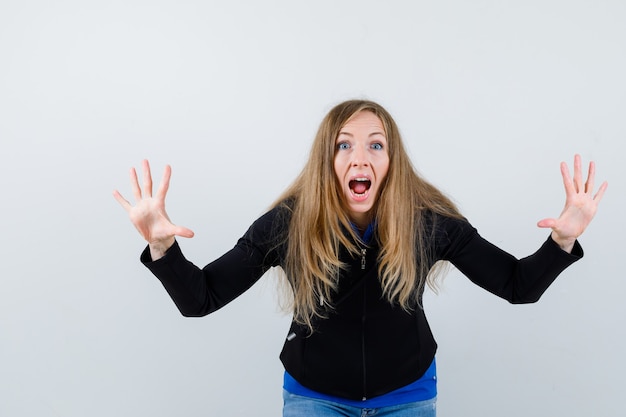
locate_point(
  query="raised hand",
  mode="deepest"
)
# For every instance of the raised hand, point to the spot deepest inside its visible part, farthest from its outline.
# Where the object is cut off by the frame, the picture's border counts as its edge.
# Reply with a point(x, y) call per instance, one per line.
point(580, 205)
point(148, 214)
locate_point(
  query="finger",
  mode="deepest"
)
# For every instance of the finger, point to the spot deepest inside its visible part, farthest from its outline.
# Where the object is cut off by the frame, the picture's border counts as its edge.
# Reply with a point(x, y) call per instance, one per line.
point(578, 175)
point(600, 192)
point(590, 177)
point(134, 184)
point(165, 183)
point(147, 179)
point(567, 180)
point(123, 202)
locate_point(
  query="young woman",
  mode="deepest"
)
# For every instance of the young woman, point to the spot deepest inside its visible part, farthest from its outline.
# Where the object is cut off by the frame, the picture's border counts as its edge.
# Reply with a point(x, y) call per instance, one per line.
point(358, 236)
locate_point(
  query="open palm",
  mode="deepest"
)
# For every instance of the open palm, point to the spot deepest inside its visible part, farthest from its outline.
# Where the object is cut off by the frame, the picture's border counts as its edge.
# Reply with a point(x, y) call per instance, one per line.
point(580, 205)
point(148, 215)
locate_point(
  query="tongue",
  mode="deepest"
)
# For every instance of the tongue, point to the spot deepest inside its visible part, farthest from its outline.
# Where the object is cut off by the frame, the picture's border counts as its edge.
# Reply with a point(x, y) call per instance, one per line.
point(359, 187)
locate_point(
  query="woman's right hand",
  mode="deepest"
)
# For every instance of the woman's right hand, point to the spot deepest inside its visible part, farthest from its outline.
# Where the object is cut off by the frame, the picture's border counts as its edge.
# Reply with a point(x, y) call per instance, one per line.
point(148, 214)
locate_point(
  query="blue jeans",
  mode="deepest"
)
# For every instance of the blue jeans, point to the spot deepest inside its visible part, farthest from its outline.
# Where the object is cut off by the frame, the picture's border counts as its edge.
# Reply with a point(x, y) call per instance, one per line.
point(299, 406)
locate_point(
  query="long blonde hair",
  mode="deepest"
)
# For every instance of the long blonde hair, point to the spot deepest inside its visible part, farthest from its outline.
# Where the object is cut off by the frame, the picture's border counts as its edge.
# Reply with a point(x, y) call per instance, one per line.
point(320, 225)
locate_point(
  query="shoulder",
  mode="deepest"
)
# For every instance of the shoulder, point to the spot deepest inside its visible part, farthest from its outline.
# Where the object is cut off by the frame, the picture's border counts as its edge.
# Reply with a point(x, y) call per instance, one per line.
point(271, 227)
point(446, 231)
point(442, 223)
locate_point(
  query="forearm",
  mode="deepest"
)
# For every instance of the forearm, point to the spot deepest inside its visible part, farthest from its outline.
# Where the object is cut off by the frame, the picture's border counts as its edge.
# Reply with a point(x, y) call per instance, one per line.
point(198, 292)
point(517, 281)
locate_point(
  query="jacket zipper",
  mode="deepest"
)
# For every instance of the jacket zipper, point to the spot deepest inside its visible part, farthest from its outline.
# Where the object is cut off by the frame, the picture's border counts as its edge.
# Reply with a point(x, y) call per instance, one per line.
point(363, 253)
point(363, 356)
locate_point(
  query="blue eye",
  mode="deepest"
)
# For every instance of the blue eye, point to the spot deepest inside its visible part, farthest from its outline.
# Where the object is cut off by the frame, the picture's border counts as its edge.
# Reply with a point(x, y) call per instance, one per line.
point(377, 146)
point(343, 146)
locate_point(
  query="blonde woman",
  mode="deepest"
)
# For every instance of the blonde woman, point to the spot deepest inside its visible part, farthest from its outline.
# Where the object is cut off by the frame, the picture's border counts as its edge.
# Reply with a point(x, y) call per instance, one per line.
point(358, 236)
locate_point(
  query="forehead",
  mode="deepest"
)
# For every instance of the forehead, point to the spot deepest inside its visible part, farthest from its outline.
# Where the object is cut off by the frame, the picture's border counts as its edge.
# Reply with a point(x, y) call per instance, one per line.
point(363, 121)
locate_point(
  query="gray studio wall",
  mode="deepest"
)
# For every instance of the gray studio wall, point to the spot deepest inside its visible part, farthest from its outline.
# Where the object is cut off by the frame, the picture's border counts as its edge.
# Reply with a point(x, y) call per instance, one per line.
point(490, 97)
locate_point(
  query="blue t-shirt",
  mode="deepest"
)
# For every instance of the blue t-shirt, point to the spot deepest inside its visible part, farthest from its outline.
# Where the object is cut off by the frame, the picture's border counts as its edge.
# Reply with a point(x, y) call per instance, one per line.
point(423, 389)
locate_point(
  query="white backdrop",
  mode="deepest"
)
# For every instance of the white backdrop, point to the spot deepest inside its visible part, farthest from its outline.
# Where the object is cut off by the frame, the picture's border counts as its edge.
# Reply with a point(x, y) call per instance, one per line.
point(489, 95)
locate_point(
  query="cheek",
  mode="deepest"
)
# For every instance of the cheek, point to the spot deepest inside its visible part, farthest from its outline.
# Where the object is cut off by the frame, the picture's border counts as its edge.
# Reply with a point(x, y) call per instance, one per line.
point(383, 167)
point(337, 166)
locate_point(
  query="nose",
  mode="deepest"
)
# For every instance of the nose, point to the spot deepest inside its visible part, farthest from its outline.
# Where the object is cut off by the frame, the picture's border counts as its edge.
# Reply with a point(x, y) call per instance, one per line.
point(359, 156)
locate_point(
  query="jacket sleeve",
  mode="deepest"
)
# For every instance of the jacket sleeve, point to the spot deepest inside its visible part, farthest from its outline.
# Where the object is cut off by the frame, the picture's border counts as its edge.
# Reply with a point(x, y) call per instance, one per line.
point(515, 280)
point(201, 291)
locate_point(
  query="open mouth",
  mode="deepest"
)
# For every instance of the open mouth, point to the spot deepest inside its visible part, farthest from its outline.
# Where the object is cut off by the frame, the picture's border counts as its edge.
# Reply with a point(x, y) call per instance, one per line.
point(360, 186)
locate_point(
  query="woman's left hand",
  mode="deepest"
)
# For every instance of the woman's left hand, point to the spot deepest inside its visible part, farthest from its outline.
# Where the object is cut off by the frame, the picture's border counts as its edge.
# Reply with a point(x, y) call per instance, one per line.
point(580, 205)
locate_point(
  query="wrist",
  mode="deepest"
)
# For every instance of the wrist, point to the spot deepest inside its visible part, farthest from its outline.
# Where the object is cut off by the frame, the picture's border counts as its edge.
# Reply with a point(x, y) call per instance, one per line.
point(160, 247)
point(565, 244)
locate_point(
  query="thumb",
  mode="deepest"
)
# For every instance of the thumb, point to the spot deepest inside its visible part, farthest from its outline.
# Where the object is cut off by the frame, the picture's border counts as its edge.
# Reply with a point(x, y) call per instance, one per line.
point(546, 223)
point(183, 232)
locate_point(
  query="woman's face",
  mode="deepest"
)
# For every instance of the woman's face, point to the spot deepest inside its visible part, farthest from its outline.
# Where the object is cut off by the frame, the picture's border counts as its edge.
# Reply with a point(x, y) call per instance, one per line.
point(361, 164)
